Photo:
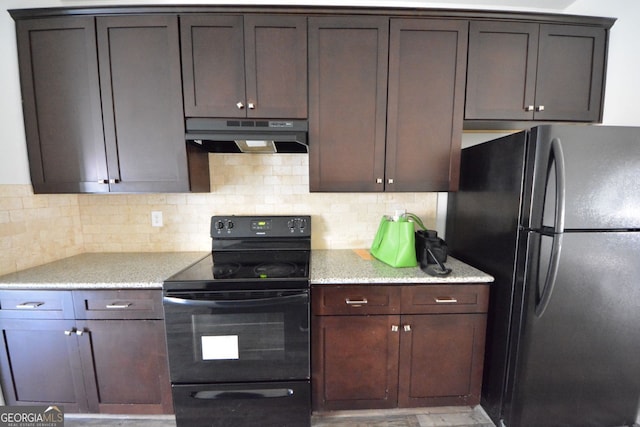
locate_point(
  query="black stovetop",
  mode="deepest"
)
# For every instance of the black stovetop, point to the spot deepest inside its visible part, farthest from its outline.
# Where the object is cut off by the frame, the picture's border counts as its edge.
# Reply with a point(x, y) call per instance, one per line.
point(246, 256)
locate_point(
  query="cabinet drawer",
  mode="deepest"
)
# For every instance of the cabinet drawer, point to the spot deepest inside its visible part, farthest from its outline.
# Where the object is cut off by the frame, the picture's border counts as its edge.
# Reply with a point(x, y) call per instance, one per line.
point(366, 299)
point(445, 299)
point(118, 304)
point(25, 304)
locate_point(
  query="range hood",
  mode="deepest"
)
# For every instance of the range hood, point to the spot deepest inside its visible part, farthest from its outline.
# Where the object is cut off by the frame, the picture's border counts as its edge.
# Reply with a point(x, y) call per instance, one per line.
point(248, 136)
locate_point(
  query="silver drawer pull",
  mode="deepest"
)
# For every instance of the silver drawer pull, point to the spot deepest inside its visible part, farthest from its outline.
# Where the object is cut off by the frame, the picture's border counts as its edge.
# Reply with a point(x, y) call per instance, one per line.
point(394, 328)
point(119, 305)
point(356, 302)
point(446, 300)
point(29, 305)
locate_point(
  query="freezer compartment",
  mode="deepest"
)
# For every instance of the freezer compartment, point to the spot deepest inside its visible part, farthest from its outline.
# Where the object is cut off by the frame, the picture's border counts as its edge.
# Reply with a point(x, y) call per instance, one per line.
point(244, 404)
point(589, 175)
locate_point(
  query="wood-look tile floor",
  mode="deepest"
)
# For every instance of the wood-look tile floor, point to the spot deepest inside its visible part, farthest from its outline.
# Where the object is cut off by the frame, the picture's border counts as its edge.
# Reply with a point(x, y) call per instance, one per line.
point(422, 417)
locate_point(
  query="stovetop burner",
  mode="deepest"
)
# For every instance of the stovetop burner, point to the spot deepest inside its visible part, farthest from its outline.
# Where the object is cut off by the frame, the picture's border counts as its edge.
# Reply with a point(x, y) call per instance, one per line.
point(225, 271)
point(278, 269)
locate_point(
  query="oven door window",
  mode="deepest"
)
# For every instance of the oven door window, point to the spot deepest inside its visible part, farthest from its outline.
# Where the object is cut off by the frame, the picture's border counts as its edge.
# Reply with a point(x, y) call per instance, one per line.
point(237, 336)
point(246, 336)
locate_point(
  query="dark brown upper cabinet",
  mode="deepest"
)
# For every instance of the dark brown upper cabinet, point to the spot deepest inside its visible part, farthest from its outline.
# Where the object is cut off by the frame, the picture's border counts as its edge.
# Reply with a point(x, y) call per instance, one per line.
point(103, 104)
point(244, 66)
point(530, 71)
point(347, 102)
point(386, 101)
point(139, 59)
point(61, 104)
point(427, 60)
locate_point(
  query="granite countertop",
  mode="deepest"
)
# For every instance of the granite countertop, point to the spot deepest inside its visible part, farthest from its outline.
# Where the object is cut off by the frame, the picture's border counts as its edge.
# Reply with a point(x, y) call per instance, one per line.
point(346, 266)
point(103, 271)
point(150, 269)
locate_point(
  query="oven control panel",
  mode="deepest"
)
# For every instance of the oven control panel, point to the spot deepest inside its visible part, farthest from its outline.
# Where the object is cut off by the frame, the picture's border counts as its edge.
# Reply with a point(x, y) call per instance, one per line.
point(237, 226)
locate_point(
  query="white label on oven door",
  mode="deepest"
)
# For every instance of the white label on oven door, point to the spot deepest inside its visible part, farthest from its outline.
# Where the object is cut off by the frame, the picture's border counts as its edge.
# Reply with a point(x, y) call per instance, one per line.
point(220, 347)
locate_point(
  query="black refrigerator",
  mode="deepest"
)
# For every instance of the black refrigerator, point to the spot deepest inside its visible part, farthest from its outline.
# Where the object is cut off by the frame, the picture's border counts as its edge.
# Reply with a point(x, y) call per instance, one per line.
point(553, 213)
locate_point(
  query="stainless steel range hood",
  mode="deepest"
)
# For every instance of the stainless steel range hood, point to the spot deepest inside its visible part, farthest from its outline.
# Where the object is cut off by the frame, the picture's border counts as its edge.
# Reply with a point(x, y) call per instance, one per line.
point(248, 136)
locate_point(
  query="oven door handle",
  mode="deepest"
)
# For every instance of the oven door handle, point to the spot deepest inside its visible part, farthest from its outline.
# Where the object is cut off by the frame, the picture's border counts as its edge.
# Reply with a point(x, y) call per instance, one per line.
point(243, 394)
point(250, 302)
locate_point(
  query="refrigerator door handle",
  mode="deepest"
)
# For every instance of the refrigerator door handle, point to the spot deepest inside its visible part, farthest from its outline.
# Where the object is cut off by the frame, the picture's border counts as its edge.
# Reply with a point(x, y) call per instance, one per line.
point(558, 228)
point(558, 158)
point(550, 279)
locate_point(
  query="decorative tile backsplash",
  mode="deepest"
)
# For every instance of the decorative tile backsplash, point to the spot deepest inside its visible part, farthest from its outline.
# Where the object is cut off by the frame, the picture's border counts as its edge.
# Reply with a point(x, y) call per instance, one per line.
point(35, 229)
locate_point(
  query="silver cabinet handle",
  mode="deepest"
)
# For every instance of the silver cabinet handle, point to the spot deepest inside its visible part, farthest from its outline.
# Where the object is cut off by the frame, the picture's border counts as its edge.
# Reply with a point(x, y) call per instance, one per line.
point(390, 180)
point(379, 181)
point(119, 305)
point(445, 300)
point(69, 332)
point(103, 181)
point(114, 181)
point(251, 106)
point(407, 328)
point(529, 108)
point(540, 108)
point(79, 332)
point(29, 305)
point(357, 302)
point(394, 328)
point(240, 105)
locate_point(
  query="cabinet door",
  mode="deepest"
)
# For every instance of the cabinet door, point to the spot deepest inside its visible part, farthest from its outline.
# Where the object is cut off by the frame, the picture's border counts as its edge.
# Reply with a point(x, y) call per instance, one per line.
point(213, 65)
point(347, 102)
point(61, 102)
point(40, 364)
point(276, 66)
point(142, 102)
point(501, 71)
point(441, 359)
point(570, 73)
point(129, 360)
point(427, 63)
point(355, 362)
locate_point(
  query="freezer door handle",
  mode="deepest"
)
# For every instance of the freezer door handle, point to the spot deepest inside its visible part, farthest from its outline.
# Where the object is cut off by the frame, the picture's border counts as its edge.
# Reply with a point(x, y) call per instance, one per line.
point(550, 279)
point(558, 157)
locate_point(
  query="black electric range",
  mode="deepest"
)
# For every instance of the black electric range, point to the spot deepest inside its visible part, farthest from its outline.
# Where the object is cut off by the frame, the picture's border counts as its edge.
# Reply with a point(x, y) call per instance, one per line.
point(237, 326)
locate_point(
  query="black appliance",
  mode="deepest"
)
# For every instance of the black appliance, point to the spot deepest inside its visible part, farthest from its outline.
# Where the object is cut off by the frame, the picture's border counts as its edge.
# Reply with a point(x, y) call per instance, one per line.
point(237, 325)
point(553, 213)
point(248, 136)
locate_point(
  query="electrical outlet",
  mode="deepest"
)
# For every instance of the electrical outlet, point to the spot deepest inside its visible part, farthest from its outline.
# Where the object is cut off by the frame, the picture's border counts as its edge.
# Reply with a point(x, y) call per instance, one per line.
point(156, 218)
point(398, 212)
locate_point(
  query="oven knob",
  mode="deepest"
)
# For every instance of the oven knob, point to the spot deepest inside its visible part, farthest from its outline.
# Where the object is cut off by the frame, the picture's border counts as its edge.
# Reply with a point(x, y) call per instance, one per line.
point(219, 225)
point(303, 224)
point(229, 224)
point(292, 224)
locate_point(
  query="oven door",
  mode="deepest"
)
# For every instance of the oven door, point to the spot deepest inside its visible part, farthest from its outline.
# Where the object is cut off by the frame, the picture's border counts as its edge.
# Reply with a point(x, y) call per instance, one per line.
point(235, 336)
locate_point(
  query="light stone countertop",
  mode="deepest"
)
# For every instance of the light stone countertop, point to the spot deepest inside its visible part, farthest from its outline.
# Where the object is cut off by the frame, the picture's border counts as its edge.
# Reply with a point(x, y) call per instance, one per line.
point(103, 271)
point(346, 266)
point(150, 269)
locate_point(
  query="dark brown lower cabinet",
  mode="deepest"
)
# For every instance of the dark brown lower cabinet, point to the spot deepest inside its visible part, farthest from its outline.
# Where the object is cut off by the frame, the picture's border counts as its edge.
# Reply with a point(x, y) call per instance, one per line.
point(427, 349)
point(41, 365)
point(106, 366)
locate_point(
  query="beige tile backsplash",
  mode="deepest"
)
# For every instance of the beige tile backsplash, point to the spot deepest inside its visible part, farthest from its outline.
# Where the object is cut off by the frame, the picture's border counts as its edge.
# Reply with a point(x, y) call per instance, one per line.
point(35, 229)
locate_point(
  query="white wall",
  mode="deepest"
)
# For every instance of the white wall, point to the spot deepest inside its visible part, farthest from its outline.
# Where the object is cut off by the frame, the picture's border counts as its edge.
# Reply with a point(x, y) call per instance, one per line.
point(620, 102)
